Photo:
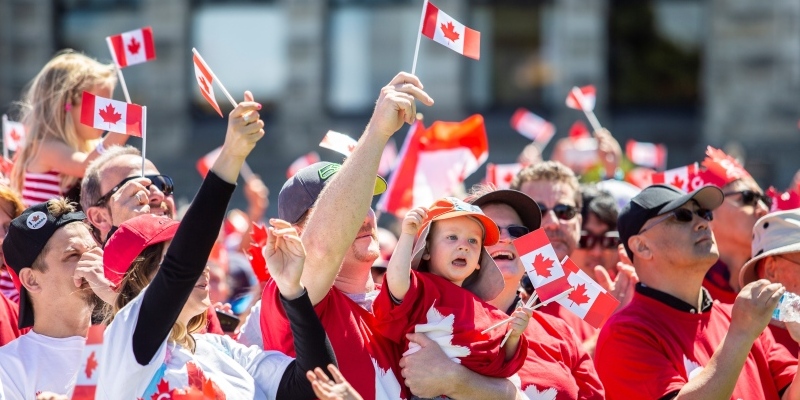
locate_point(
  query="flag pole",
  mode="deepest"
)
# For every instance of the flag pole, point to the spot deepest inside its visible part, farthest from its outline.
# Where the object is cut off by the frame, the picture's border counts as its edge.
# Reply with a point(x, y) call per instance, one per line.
point(589, 113)
point(144, 137)
point(219, 82)
point(119, 70)
point(5, 127)
point(419, 36)
point(247, 172)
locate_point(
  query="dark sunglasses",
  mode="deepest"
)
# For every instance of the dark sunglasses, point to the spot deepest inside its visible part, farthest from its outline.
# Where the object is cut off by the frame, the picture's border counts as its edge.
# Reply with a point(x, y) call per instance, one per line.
point(751, 198)
point(515, 231)
point(683, 215)
point(608, 240)
point(162, 182)
point(562, 211)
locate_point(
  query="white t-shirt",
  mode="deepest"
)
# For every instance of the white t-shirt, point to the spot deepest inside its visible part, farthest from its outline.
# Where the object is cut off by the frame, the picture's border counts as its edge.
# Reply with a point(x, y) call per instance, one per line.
point(228, 367)
point(35, 363)
point(250, 332)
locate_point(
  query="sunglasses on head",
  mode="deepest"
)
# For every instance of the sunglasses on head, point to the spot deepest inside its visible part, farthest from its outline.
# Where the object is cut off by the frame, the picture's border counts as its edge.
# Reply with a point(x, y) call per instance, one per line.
point(515, 231)
point(608, 240)
point(682, 215)
point(751, 198)
point(562, 211)
point(162, 182)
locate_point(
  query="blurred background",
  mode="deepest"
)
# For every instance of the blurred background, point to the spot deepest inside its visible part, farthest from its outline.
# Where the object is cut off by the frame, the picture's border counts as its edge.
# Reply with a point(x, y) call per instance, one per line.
point(686, 73)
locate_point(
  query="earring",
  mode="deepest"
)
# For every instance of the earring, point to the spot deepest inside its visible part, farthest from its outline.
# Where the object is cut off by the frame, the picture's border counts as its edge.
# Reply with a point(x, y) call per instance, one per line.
point(67, 107)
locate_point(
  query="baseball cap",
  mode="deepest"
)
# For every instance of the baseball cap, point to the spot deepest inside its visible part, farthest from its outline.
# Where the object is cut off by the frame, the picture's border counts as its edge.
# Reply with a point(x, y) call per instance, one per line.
point(527, 209)
point(773, 234)
point(24, 242)
point(489, 280)
point(130, 239)
point(300, 192)
point(657, 200)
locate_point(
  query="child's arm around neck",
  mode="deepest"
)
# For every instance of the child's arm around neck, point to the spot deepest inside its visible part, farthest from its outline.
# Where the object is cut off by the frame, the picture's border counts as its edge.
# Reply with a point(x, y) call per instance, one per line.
point(398, 272)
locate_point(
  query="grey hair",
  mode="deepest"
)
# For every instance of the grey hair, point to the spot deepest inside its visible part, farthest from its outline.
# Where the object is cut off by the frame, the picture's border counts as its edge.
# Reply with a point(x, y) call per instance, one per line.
point(90, 186)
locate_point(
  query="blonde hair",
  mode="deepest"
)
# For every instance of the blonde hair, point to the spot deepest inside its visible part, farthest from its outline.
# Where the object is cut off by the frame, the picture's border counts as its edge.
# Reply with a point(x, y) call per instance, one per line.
point(43, 109)
point(549, 171)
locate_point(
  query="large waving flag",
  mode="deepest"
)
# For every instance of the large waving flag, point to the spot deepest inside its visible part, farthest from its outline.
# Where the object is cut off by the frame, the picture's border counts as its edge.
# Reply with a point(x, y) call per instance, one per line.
point(133, 47)
point(443, 29)
point(434, 161)
point(112, 115)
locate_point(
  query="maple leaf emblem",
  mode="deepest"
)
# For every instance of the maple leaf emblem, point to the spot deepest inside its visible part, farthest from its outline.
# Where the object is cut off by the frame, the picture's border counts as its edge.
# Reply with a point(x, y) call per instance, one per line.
point(449, 31)
point(542, 266)
point(578, 296)
point(35, 218)
point(163, 389)
point(91, 365)
point(134, 45)
point(203, 83)
point(508, 178)
point(14, 135)
point(110, 115)
point(677, 182)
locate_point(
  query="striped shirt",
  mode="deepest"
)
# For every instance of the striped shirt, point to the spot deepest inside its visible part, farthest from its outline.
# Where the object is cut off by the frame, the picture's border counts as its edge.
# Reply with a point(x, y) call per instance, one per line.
point(7, 287)
point(40, 187)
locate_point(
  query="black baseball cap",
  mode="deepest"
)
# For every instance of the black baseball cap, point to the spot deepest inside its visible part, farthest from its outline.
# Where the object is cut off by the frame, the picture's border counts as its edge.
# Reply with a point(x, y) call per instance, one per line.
point(25, 240)
point(300, 192)
point(526, 207)
point(657, 200)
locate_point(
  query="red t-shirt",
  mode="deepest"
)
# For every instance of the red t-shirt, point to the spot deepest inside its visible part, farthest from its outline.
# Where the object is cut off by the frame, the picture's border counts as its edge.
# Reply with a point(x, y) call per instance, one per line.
point(453, 315)
point(783, 338)
point(718, 285)
point(581, 327)
point(9, 320)
point(649, 349)
point(557, 367)
point(365, 358)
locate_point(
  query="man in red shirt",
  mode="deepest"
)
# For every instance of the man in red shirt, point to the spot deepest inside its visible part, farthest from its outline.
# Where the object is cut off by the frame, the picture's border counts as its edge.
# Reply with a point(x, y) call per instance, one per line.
point(9, 318)
point(673, 340)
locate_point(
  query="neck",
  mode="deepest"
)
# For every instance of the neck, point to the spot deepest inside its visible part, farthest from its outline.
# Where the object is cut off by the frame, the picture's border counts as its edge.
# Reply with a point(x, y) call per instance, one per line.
point(59, 323)
point(506, 298)
point(355, 278)
point(734, 259)
point(685, 286)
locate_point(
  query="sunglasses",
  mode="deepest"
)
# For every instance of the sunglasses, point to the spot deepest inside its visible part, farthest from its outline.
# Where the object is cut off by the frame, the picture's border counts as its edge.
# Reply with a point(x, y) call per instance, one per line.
point(162, 182)
point(515, 231)
point(682, 215)
point(608, 240)
point(562, 211)
point(751, 198)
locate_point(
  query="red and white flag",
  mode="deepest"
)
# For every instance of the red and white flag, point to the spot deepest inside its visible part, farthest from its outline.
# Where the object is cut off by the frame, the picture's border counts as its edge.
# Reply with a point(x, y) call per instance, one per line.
point(388, 158)
point(134, 47)
point(647, 154)
point(588, 300)
point(205, 163)
point(206, 82)
point(783, 201)
point(501, 175)
point(579, 130)
point(532, 126)
point(13, 134)
point(301, 163)
point(443, 29)
point(86, 383)
point(687, 178)
point(111, 115)
point(589, 98)
point(542, 264)
point(433, 162)
point(338, 142)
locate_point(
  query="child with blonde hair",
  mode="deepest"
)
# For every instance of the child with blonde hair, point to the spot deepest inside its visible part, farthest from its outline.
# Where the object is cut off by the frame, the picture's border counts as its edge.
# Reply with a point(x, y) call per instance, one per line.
point(57, 146)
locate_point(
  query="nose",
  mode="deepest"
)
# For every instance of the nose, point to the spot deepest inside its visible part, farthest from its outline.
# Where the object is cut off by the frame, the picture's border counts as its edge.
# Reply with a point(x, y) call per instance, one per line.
point(504, 235)
point(156, 196)
point(761, 209)
point(596, 250)
point(549, 220)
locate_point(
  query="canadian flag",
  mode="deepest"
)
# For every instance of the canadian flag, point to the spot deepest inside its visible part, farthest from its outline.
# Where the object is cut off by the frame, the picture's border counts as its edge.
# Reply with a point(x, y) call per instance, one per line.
point(338, 142)
point(301, 163)
point(258, 239)
point(13, 134)
point(784, 201)
point(134, 47)
point(542, 265)
point(686, 178)
point(205, 163)
point(532, 126)
point(589, 98)
point(501, 175)
point(588, 300)
point(206, 82)
point(647, 154)
point(86, 383)
point(443, 29)
point(112, 115)
point(433, 162)
point(388, 158)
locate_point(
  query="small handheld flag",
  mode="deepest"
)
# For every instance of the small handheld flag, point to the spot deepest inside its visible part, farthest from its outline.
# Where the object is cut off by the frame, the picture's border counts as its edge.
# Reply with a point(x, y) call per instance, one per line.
point(112, 115)
point(205, 80)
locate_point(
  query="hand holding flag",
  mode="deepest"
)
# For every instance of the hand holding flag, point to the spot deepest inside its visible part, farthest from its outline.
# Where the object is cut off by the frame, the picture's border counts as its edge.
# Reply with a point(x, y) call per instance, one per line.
point(396, 104)
point(441, 28)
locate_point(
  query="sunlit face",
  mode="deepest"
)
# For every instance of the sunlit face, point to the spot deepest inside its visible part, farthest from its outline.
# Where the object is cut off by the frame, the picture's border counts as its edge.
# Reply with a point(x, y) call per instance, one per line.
point(563, 234)
point(86, 132)
point(687, 245)
point(131, 165)
point(783, 269)
point(733, 221)
point(503, 252)
point(199, 301)
point(454, 248)
point(365, 247)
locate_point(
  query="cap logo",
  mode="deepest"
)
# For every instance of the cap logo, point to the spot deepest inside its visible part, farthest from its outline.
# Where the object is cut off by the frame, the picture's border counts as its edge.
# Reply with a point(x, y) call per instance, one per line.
point(328, 170)
point(459, 205)
point(36, 220)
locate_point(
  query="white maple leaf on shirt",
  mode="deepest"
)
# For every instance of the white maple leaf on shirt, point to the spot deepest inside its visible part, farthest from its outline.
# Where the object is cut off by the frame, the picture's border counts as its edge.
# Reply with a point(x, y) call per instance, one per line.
point(692, 368)
point(386, 385)
point(439, 328)
point(534, 394)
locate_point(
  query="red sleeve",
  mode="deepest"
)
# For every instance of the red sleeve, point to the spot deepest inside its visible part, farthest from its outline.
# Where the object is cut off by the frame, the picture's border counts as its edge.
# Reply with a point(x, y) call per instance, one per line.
point(782, 364)
point(632, 364)
point(275, 329)
point(9, 320)
point(583, 370)
point(213, 325)
point(395, 320)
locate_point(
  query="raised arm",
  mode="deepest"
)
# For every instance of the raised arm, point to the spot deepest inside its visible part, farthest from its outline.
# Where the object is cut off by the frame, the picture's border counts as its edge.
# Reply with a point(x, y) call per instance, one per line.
point(399, 268)
point(345, 201)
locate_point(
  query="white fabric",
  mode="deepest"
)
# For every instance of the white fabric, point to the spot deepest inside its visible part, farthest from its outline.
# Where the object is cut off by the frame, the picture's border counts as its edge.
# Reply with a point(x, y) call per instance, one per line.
point(36, 363)
point(239, 372)
point(250, 332)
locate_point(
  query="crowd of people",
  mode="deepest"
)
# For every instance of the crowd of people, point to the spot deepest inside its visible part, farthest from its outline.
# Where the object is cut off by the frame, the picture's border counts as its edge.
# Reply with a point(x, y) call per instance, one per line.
point(339, 308)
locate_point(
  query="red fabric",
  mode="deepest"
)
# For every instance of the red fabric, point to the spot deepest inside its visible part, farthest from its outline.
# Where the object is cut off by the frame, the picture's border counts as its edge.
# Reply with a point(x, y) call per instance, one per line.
point(9, 317)
point(213, 325)
point(783, 338)
point(557, 365)
point(359, 350)
point(717, 282)
point(724, 295)
point(582, 329)
point(645, 350)
point(433, 299)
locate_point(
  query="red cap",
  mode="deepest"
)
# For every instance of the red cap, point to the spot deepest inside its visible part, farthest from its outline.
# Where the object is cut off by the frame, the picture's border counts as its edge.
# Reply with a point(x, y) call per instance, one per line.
point(130, 239)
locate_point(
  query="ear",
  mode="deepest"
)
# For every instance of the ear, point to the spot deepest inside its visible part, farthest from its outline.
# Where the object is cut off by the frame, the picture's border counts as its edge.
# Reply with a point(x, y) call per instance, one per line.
point(768, 269)
point(426, 256)
point(100, 218)
point(640, 248)
point(28, 279)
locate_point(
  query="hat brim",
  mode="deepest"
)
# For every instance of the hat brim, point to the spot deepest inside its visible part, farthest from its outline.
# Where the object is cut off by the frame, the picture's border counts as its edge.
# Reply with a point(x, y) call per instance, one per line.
point(490, 282)
point(380, 186)
point(527, 208)
point(491, 231)
point(708, 197)
point(748, 274)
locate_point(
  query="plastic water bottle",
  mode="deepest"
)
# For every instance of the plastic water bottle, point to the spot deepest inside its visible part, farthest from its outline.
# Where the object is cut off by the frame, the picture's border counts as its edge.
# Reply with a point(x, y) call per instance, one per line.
point(788, 308)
